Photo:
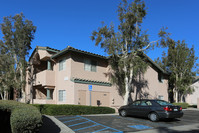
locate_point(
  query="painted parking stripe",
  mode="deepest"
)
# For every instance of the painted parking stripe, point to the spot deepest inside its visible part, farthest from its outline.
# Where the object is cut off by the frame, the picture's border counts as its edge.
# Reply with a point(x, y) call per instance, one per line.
point(85, 127)
point(142, 121)
point(78, 124)
point(72, 120)
point(118, 131)
point(100, 130)
point(141, 127)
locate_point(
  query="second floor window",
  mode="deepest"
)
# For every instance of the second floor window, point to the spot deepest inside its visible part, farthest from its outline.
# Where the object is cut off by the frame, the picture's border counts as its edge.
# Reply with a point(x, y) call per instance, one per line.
point(160, 78)
point(62, 64)
point(90, 65)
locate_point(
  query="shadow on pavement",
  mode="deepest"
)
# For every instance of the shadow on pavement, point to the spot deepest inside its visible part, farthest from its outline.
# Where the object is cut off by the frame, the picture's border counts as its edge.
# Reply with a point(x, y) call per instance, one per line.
point(166, 130)
point(49, 126)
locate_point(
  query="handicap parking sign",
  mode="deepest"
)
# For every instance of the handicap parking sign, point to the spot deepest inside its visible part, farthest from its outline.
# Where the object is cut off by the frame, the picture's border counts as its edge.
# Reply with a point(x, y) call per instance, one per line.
point(90, 87)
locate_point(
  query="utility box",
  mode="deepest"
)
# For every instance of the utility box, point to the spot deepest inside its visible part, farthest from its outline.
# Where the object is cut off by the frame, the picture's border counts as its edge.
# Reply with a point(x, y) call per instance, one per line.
point(98, 103)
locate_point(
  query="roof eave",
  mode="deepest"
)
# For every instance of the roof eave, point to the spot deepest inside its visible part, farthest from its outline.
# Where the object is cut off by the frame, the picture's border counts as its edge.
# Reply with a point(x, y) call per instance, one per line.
point(68, 49)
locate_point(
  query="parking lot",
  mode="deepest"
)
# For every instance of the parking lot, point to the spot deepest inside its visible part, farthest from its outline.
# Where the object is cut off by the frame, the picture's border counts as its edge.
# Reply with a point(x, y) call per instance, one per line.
point(116, 123)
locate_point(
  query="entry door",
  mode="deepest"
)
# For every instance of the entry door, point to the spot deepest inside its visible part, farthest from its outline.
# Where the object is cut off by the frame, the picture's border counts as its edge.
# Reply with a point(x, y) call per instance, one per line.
point(82, 98)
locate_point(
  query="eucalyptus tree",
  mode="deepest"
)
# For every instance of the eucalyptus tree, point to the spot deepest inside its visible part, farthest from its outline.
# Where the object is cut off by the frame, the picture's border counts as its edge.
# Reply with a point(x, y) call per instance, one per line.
point(18, 34)
point(125, 43)
point(180, 61)
point(6, 72)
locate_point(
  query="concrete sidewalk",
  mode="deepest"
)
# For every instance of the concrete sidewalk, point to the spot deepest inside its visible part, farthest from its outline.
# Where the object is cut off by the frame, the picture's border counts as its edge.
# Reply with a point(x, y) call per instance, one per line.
point(52, 125)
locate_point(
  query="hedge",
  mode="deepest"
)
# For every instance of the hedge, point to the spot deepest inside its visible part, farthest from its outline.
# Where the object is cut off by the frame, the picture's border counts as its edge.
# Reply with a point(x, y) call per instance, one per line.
point(183, 105)
point(192, 106)
point(24, 118)
point(50, 109)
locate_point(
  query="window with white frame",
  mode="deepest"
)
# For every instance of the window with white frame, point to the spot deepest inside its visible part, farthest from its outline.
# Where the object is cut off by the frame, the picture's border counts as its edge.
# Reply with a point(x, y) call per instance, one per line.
point(62, 95)
point(90, 65)
point(62, 64)
point(160, 97)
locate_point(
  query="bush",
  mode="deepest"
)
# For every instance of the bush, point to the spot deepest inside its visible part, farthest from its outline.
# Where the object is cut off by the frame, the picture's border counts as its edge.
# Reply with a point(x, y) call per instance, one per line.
point(50, 109)
point(192, 106)
point(24, 118)
point(183, 105)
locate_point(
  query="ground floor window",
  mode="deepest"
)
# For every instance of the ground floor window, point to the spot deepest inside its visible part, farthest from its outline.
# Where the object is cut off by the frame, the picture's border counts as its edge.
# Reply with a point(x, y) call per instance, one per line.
point(160, 97)
point(62, 95)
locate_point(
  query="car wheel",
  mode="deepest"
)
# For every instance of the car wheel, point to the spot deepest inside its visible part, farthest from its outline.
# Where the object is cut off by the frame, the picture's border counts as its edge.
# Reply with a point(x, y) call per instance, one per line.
point(153, 117)
point(123, 113)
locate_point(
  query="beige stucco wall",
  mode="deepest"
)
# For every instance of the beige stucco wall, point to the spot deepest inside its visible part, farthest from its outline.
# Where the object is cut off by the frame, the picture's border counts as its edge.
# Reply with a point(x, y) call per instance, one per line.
point(77, 68)
point(46, 77)
point(43, 54)
point(192, 98)
point(153, 88)
point(198, 104)
point(99, 93)
point(63, 82)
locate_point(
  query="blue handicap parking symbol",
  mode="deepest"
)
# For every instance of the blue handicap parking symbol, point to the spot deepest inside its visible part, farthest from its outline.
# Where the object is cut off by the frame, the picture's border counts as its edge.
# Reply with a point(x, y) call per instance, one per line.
point(140, 127)
point(90, 87)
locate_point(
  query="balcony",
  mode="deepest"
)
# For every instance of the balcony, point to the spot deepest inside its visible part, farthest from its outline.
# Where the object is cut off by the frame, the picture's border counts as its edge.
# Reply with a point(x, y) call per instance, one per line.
point(45, 78)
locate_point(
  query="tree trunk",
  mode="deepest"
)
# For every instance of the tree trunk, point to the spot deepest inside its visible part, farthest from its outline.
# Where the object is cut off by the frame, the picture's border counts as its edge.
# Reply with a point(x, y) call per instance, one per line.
point(31, 86)
point(176, 96)
point(5, 95)
point(1, 95)
point(126, 96)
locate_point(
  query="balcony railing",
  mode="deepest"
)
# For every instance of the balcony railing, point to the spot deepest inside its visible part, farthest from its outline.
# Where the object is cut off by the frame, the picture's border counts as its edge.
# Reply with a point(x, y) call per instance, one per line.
point(45, 78)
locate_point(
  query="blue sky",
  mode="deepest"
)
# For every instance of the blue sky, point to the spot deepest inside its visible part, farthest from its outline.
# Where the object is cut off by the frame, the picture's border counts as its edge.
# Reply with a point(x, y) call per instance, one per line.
point(70, 22)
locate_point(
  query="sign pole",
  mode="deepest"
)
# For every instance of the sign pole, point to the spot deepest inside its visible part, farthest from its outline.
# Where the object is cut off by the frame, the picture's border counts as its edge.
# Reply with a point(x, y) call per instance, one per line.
point(90, 98)
point(90, 87)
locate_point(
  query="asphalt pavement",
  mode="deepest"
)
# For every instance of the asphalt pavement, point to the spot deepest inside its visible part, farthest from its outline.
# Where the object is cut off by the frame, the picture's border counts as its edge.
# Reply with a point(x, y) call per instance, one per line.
point(115, 123)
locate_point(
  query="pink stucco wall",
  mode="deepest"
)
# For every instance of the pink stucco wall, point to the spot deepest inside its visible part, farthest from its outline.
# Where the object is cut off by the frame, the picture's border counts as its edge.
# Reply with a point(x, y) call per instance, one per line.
point(193, 98)
point(63, 81)
point(198, 104)
point(154, 87)
point(77, 68)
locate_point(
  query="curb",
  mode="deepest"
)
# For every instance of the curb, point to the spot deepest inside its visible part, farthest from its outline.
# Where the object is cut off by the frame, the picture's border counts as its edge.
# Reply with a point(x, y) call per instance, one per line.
point(195, 109)
point(64, 128)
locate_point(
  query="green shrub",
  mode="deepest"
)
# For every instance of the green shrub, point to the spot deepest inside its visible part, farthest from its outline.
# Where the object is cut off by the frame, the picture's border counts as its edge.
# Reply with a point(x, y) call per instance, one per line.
point(24, 118)
point(50, 109)
point(192, 106)
point(183, 105)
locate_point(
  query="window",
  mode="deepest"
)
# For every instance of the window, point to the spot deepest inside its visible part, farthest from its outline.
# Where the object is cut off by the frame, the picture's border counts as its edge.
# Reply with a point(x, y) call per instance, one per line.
point(62, 95)
point(148, 103)
point(90, 65)
point(160, 97)
point(163, 102)
point(143, 103)
point(136, 103)
point(62, 64)
point(160, 77)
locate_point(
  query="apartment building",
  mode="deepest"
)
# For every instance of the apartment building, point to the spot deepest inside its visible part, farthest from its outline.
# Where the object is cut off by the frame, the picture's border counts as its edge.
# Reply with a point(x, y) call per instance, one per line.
point(73, 76)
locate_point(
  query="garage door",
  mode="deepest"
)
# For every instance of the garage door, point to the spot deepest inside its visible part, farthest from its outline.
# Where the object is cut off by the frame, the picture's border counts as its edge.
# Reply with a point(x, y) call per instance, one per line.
point(102, 97)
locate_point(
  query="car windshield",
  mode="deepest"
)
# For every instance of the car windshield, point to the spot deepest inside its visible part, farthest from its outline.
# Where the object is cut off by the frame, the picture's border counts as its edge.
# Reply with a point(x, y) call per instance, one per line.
point(163, 102)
